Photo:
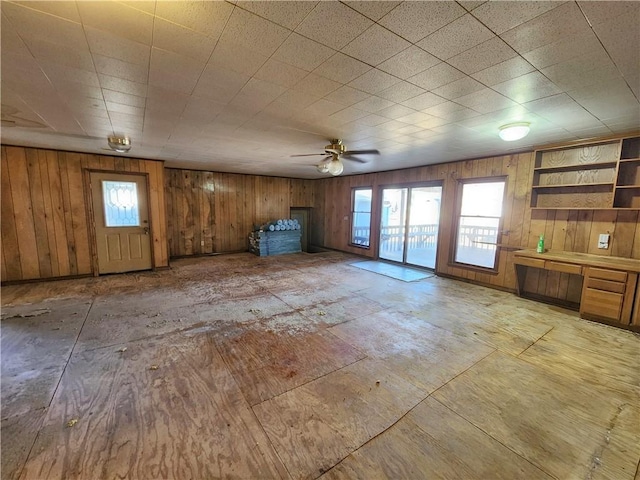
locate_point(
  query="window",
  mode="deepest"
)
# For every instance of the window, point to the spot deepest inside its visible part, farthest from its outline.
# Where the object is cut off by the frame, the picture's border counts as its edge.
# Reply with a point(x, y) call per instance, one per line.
point(120, 204)
point(479, 221)
point(361, 216)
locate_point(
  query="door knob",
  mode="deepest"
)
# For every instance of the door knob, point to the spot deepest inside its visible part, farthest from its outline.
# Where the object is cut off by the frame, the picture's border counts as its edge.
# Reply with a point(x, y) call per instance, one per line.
point(146, 230)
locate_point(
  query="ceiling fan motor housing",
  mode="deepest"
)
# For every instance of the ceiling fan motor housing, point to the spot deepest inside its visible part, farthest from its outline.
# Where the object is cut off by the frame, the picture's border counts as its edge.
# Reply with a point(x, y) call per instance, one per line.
point(336, 147)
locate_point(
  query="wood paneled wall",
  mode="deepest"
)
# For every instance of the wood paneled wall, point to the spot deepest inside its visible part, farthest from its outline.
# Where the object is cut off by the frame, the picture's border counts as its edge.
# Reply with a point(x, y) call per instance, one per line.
point(568, 230)
point(211, 212)
point(45, 223)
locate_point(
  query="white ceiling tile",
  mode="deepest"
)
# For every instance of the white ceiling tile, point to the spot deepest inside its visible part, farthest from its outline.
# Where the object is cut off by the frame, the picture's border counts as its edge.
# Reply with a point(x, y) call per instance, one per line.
point(117, 68)
point(458, 88)
point(512, 68)
point(424, 101)
point(401, 91)
point(280, 73)
point(623, 49)
point(287, 14)
point(61, 54)
point(375, 10)
point(460, 35)
point(201, 110)
point(323, 108)
point(108, 45)
point(61, 8)
point(257, 94)
point(372, 120)
point(169, 62)
point(11, 41)
point(128, 109)
point(485, 55)
point(409, 62)
point(118, 19)
point(181, 40)
point(608, 99)
point(563, 50)
point(438, 75)
point(396, 111)
point(415, 20)
point(302, 52)
point(333, 24)
point(503, 16)
point(123, 98)
point(601, 12)
point(374, 81)
point(451, 111)
point(34, 24)
point(178, 82)
point(375, 45)
point(433, 122)
point(347, 96)
point(415, 118)
point(122, 85)
point(528, 87)
point(373, 104)
point(236, 58)
point(349, 114)
point(295, 100)
point(167, 101)
point(208, 18)
point(471, 4)
point(342, 68)
point(220, 84)
point(253, 33)
point(582, 71)
point(316, 85)
point(485, 101)
point(563, 21)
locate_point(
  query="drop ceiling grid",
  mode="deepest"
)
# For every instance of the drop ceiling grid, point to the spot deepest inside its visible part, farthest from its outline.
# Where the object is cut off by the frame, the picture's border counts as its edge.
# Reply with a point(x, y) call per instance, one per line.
point(269, 81)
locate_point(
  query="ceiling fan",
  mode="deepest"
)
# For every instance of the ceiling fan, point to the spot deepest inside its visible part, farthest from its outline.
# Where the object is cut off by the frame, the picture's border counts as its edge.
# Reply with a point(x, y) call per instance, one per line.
point(334, 153)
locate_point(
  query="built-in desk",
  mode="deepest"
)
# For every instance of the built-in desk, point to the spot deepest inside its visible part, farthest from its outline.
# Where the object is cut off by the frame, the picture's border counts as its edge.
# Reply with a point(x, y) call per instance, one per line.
point(609, 287)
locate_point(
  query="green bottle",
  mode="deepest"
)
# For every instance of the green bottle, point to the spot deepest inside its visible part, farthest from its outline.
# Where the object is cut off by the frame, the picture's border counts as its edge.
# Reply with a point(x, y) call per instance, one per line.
point(540, 248)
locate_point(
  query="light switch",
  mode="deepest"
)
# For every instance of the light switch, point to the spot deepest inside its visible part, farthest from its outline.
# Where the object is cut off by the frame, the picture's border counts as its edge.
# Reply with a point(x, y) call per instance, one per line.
point(603, 241)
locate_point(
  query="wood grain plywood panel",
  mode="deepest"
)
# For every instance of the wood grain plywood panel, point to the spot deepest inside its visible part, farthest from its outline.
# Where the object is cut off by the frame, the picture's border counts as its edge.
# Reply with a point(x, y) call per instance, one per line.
point(185, 418)
point(412, 347)
point(22, 431)
point(266, 364)
point(557, 423)
point(431, 441)
point(316, 425)
point(12, 265)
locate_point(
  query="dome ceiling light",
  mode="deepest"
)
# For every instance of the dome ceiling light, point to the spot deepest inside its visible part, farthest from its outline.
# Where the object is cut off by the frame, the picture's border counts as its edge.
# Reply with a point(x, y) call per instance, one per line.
point(119, 144)
point(514, 131)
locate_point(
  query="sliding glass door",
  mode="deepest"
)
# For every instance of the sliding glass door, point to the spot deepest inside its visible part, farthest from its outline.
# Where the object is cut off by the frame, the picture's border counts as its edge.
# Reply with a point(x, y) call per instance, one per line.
point(410, 218)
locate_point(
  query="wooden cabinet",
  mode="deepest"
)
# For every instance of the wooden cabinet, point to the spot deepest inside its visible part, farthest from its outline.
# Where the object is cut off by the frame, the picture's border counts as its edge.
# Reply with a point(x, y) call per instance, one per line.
point(610, 291)
point(599, 175)
point(608, 294)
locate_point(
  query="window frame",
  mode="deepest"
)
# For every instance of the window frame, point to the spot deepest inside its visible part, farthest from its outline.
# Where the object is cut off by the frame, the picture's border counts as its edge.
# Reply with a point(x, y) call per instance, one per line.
point(458, 215)
point(352, 241)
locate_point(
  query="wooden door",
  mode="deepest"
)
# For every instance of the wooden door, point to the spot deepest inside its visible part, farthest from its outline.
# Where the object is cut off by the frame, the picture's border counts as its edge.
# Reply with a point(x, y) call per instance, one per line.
point(121, 216)
point(302, 215)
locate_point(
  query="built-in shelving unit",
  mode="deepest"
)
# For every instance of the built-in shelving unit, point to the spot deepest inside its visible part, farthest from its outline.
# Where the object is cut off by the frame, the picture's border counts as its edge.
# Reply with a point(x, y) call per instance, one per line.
point(602, 175)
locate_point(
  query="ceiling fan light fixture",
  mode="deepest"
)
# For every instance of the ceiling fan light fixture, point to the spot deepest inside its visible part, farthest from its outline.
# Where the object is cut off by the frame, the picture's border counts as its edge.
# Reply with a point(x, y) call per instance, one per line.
point(335, 167)
point(514, 131)
point(323, 167)
point(119, 144)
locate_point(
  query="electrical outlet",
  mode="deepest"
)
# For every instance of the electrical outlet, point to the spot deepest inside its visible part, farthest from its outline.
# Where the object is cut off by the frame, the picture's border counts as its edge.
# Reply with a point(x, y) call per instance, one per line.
point(603, 241)
point(202, 243)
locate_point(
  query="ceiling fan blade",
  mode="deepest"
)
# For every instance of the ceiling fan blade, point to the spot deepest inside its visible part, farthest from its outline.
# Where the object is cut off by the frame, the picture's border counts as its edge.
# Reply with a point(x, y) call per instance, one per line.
point(362, 152)
point(308, 155)
point(352, 159)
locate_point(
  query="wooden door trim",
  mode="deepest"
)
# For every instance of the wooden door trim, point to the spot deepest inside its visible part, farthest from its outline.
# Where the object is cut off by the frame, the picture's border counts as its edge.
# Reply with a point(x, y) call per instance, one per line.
point(91, 219)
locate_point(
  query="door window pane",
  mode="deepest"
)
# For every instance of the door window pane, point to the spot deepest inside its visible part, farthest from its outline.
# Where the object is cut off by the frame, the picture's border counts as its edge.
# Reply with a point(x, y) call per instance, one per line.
point(393, 224)
point(479, 220)
point(361, 217)
point(120, 204)
point(424, 221)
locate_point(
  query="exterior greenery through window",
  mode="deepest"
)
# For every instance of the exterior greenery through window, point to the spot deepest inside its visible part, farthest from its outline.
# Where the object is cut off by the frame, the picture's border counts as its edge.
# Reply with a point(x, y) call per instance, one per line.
point(361, 216)
point(480, 213)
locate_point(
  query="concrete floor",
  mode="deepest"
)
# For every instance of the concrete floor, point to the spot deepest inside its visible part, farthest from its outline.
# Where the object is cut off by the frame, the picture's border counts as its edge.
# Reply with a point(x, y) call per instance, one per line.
point(302, 366)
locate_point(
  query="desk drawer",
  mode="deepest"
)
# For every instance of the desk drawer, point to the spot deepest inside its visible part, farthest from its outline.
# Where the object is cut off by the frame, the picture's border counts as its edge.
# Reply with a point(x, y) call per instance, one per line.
point(606, 285)
point(563, 267)
point(529, 262)
point(601, 304)
point(614, 275)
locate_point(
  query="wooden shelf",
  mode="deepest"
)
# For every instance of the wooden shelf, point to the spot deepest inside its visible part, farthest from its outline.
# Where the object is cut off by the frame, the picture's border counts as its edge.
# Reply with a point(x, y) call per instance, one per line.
point(570, 168)
point(573, 185)
point(593, 176)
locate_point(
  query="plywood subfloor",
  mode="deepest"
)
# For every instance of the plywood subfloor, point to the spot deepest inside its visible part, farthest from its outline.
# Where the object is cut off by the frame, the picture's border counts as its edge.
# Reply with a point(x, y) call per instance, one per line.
point(301, 366)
